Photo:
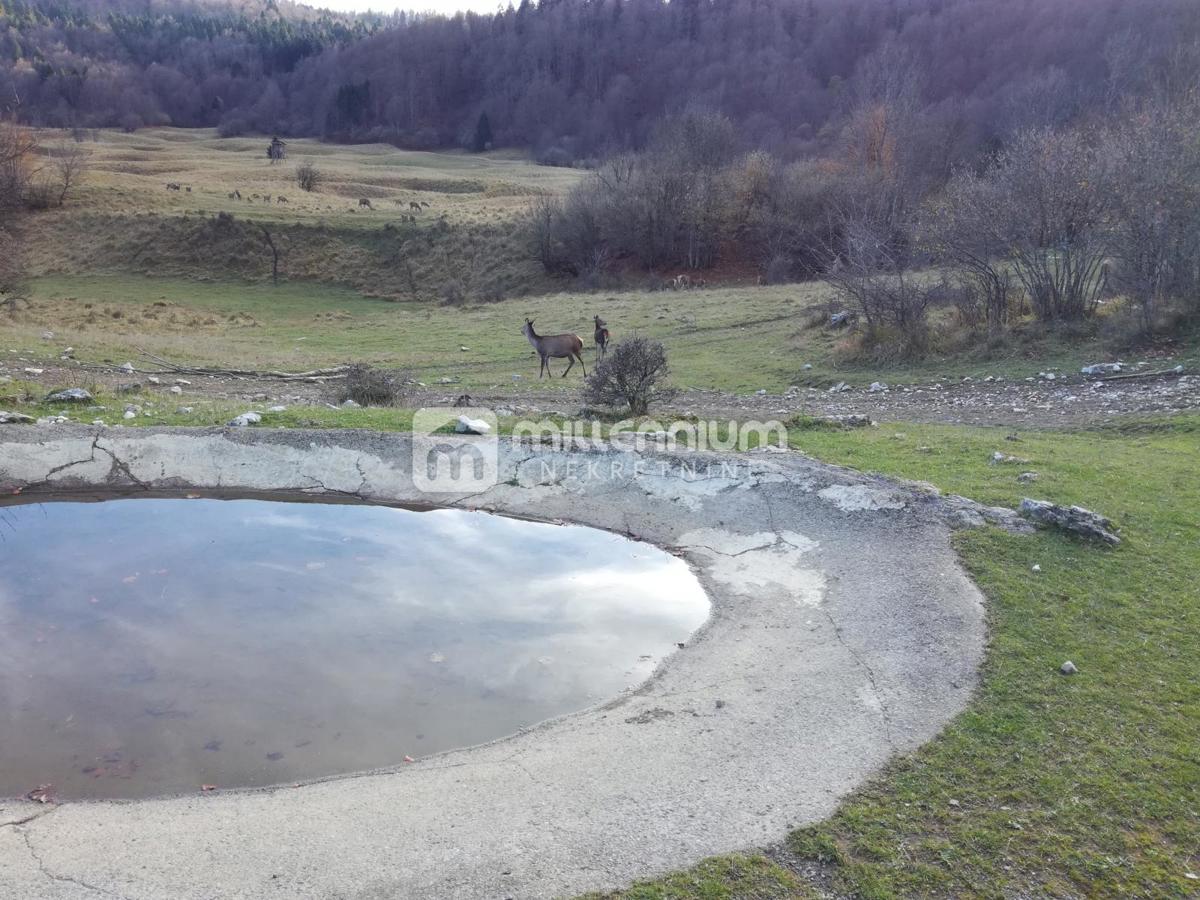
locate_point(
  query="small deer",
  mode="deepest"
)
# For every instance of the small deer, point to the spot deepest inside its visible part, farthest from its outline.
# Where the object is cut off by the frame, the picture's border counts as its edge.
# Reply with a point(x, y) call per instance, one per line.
point(601, 336)
point(555, 346)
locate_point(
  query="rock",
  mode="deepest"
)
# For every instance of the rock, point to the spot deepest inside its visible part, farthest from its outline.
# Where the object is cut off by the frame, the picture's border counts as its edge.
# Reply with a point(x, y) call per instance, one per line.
point(999, 458)
point(129, 414)
point(185, 410)
point(53, 420)
point(1070, 518)
point(183, 381)
point(446, 379)
point(127, 367)
point(14, 418)
point(31, 371)
point(1178, 370)
point(1102, 368)
point(350, 404)
point(47, 335)
point(70, 395)
point(839, 387)
point(761, 392)
point(852, 420)
point(468, 425)
point(844, 317)
point(244, 420)
point(176, 389)
point(154, 379)
point(277, 409)
point(877, 387)
point(807, 366)
point(1036, 567)
point(129, 387)
point(464, 349)
point(1068, 668)
point(1027, 477)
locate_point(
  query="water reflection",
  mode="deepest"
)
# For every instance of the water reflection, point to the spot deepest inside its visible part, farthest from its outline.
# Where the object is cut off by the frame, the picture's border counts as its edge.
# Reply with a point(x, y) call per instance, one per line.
point(150, 646)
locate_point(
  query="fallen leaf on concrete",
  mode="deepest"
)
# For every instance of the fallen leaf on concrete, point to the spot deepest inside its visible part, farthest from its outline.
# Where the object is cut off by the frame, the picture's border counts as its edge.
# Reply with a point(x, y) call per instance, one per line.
point(43, 793)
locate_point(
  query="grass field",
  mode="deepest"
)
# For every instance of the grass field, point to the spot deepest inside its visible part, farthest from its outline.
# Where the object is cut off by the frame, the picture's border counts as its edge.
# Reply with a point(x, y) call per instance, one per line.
point(732, 339)
point(124, 243)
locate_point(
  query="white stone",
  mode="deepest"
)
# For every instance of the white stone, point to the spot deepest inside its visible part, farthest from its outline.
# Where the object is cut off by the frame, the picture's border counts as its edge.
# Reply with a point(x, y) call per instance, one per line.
point(467, 425)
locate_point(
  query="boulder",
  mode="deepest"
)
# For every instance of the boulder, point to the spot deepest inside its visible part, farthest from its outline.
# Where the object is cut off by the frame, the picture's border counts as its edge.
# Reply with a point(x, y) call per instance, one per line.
point(14, 418)
point(843, 317)
point(851, 420)
point(69, 395)
point(1102, 368)
point(467, 425)
point(1070, 518)
point(244, 420)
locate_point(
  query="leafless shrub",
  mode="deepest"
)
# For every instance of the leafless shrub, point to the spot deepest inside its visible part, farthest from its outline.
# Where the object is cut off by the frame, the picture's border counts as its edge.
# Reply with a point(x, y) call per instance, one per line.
point(308, 176)
point(633, 374)
point(368, 386)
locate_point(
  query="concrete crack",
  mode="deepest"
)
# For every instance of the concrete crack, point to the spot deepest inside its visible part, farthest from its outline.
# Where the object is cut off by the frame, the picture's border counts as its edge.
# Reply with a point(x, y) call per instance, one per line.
point(66, 879)
point(44, 811)
point(862, 663)
point(118, 465)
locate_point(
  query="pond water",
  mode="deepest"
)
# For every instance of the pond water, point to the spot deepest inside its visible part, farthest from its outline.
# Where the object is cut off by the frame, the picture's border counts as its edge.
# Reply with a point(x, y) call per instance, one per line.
point(155, 645)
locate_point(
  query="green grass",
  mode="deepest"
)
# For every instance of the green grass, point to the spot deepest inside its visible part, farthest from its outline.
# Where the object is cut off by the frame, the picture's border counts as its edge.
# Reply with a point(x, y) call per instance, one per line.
point(1047, 786)
point(732, 339)
point(736, 877)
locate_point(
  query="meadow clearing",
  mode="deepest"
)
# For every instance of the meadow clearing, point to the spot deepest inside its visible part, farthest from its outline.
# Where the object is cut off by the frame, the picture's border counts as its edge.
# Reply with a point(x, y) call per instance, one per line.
point(130, 265)
point(1046, 786)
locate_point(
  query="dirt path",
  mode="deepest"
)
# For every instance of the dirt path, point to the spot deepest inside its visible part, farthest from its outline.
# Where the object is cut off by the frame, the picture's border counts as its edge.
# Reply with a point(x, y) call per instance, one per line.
point(1064, 401)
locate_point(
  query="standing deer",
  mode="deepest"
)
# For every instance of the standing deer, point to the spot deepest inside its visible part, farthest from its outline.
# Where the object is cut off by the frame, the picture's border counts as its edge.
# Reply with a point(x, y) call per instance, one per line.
point(601, 337)
point(555, 346)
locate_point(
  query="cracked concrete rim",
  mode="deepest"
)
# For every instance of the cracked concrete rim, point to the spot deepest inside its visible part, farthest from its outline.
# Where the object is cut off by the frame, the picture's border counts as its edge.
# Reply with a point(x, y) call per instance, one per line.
point(843, 631)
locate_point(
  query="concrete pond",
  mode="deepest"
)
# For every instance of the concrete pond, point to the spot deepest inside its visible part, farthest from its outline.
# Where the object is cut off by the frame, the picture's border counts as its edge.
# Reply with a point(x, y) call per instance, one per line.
point(840, 631)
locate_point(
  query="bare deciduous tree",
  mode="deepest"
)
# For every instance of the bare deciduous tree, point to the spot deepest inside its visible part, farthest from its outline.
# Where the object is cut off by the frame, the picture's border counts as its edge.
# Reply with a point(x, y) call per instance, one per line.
point(70, 162)
point(1043, 205)
point(1155, 242)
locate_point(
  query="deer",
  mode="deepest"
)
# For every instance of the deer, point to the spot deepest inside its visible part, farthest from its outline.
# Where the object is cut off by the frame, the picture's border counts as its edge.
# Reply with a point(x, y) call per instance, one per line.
point(364, 202)
point(601, 336)
point(413, 204)
point(555, 346)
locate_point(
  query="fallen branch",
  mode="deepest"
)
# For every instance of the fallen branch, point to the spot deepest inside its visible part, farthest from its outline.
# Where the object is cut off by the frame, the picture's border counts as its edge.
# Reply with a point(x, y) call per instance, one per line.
point(170, 368)
point(1157, 374)
point(335, 371)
